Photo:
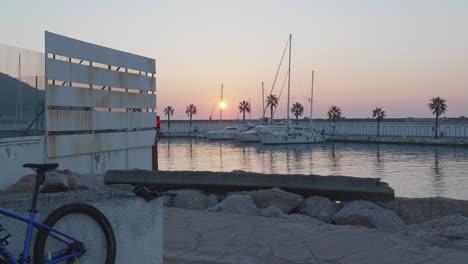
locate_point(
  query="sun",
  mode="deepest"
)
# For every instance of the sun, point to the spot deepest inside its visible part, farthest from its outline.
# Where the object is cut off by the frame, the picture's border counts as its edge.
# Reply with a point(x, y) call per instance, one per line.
point(222, 105)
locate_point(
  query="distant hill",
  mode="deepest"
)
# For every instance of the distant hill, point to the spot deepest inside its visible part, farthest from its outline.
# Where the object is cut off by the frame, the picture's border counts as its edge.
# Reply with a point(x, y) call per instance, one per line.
point(31, 98)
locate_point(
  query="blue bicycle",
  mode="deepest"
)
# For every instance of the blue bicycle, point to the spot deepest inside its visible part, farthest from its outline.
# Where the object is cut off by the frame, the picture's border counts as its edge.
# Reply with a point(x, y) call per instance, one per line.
point(90, 237)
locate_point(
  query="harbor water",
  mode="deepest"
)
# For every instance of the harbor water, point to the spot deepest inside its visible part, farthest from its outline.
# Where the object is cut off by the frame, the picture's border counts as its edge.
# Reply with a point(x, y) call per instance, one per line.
point(413, 171)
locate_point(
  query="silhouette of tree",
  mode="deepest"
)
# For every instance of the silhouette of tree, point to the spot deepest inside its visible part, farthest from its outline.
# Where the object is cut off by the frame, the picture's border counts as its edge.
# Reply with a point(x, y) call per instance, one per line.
point(379, 115)
point(297, 110)
point(334, 114)
point(438, 107)
point(272, 102)
point(244, 107)
point(191, 110)
point(168, 111)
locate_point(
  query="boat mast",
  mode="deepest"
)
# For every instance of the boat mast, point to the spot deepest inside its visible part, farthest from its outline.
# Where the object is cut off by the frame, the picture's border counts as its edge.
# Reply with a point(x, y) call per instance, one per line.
point(311, 98)
point(220, 108)
point(263, 101)
point(289, 81)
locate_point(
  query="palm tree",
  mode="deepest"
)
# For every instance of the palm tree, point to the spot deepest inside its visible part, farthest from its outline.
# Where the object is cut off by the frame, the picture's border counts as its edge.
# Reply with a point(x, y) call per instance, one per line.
point(379, 115)
point(438, 107)
point(191, 110)
point(334, 114)
point(244, 106)
point(272, 102)
point(297, 110)
point(168, 111)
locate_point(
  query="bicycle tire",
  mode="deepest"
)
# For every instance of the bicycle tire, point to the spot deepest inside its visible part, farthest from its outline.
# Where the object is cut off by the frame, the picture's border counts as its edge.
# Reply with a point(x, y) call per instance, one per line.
point(93, 214)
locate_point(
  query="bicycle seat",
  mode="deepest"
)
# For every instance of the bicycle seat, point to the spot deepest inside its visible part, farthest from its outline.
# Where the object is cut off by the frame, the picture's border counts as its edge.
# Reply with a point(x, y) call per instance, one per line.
point(45, 166)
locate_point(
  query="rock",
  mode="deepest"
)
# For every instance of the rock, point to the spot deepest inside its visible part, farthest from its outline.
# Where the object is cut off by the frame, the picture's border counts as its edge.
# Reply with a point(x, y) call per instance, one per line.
point(24, 184)
point(59, 181)
point(318, 207)
point(55, 182)
point(304, 218)
point(236, 204)
point(168, 201)
point(272, 211)
point(286, 201)
point(122, 187)
point(449, 230)
point(85, 181)
point(193, 199)
point(418, 210)
point(365, 213)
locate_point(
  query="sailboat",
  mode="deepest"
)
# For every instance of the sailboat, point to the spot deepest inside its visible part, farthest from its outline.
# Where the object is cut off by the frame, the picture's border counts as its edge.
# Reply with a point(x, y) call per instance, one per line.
point(294, 135)
point(251, 135)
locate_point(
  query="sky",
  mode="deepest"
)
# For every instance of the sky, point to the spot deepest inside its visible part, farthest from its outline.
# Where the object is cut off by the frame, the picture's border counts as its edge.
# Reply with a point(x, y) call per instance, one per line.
point(365, 53)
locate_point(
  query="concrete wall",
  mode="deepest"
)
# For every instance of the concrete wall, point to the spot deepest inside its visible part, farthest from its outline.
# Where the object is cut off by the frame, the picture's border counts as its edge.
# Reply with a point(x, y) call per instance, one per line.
point(14, 152)
point(361, 127)
point(137, 224)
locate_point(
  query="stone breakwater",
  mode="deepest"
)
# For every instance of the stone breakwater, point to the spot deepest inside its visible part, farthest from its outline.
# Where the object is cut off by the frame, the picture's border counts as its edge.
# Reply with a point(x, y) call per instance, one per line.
point(437, 220)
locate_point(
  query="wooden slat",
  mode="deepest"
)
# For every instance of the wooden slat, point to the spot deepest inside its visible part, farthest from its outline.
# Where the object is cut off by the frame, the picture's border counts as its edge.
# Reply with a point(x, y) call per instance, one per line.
point(64, 120)
point(70, 145)
point(79, 73)
point(85, 97)
point(69, 47)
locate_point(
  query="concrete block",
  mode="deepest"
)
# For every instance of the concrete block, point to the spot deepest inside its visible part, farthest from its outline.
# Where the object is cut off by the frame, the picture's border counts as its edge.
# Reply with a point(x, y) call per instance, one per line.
point(137, 224)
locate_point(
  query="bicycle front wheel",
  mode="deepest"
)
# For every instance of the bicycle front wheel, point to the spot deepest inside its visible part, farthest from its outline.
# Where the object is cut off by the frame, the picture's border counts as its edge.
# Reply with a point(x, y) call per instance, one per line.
point(82, 222)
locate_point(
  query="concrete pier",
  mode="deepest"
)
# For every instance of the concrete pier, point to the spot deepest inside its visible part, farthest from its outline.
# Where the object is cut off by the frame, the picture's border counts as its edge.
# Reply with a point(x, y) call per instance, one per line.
point(340, 188)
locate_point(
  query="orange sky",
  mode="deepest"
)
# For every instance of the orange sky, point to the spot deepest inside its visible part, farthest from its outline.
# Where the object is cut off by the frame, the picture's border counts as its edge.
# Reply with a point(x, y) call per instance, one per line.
point(394, 54)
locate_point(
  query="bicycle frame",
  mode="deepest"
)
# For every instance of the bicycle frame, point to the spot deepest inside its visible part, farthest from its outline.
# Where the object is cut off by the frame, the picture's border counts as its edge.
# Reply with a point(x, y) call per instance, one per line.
point(31, 223)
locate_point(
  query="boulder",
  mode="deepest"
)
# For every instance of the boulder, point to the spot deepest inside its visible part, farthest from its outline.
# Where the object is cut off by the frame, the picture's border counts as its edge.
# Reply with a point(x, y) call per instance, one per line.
point(85, 181)
point(318, 207)
point(55, 182)
point(193, 199)
point(304, 218)
point(449, 230)
point(59, 181)
point(365, 213)
point(286, 201)
point(418, 210)
point(272, 211)
point(122, 187)
point(236, 204)
point(24, 184)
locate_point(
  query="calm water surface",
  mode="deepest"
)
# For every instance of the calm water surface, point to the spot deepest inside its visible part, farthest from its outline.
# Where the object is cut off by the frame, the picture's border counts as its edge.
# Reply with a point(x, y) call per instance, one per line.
point(413, 171)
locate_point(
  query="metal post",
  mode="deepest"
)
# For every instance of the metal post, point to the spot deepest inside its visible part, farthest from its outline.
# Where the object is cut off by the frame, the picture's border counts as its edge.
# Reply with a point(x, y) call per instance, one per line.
point(263, 104)
point(289, 80)
point(220, 108)
point(311, 98)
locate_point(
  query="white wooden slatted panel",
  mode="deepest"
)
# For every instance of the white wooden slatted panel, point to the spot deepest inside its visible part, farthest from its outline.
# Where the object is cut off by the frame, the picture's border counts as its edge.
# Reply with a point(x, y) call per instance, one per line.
point(121, 120)
point(141, 119)
point(137, 100)
point(69, 96)
point(73, 48)
point(60, 120)
point(64, 120)
point(79, 73)
point(75, 96)
point(70, 145)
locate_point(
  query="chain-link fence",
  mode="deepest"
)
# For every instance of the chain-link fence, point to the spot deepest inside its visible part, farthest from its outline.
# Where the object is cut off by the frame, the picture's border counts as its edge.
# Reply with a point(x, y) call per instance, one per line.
point(21, 92)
